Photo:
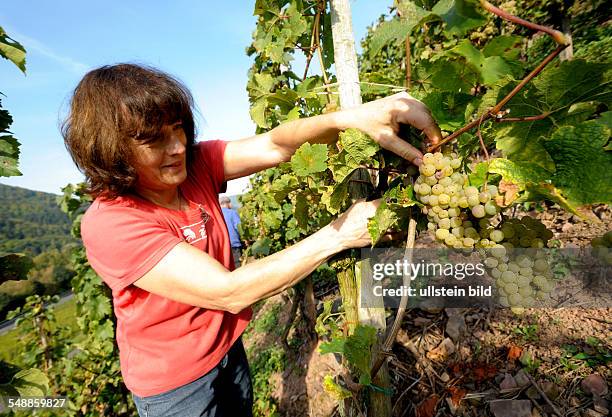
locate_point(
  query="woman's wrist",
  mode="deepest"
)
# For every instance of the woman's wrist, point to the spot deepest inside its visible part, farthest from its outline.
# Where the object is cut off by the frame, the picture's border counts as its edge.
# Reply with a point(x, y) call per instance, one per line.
point(333, 235)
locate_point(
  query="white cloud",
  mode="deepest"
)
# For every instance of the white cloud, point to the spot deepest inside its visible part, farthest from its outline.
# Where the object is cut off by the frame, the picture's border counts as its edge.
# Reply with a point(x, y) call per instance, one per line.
point(34, 45)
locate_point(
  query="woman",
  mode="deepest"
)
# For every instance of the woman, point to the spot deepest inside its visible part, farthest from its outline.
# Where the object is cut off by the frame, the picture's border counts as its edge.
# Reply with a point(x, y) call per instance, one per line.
point(155, 233)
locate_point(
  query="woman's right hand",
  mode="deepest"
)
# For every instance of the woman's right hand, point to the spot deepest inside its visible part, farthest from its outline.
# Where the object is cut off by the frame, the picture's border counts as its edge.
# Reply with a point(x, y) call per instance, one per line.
point(352, 225)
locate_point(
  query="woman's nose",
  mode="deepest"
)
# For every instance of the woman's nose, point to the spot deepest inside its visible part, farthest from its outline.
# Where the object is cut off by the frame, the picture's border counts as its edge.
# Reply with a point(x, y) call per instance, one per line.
point(177, 145)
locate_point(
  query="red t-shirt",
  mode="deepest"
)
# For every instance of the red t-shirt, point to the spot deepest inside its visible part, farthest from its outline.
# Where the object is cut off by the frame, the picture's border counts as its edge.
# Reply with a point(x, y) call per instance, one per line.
point(163, 344)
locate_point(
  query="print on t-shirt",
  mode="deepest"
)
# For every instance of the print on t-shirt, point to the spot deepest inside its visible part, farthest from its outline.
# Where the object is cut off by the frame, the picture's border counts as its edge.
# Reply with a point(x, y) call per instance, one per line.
point(189, 232)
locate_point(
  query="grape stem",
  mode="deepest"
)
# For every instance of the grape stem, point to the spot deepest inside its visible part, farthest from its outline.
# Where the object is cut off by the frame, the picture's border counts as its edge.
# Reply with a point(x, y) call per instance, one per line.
point(496, 111)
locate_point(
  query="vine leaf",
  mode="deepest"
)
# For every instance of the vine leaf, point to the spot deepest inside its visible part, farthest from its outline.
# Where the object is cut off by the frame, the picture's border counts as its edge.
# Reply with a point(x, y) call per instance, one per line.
point(356, 348)
point(334, 389)
point(392, 211)
point(567, 93)
point(460, 15)
point(583, 168)
point(448, 108)
point(359, 147)
point(30, 383)
point(12, 50)
point(309, 159)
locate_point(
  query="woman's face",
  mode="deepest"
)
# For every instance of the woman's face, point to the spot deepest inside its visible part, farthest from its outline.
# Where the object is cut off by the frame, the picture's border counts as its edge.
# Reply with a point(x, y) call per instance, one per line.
point(162, 165)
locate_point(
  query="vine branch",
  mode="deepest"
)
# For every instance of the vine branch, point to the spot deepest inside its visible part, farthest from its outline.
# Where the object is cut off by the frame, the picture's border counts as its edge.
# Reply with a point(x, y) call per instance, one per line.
point(496, 111)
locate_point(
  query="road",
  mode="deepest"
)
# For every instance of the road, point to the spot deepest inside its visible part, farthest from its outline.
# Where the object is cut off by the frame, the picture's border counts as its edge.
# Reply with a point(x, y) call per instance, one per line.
point(7, 325)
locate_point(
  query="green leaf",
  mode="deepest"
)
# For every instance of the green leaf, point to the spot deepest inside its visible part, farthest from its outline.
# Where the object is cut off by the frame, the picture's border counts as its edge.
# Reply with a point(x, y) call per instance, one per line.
point(334, 390)
point(583, 168)
point(356, 348)
point(30, 383)
point(451, 75)
point(335, 196)
point(387, 32)
point(392, 209)
point(460, 16)
point(8, 166)
point(448, 108)
point(258, 113)
point(261, 247)
point(12, 50)
point(507, 46)
point(358, 146)
point(478, 175)
point(283, 185)
point(309, 159)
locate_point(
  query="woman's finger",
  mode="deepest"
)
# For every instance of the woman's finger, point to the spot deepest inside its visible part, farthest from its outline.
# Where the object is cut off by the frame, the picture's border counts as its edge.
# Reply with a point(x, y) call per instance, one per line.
point(402, 148)
point(419, 116)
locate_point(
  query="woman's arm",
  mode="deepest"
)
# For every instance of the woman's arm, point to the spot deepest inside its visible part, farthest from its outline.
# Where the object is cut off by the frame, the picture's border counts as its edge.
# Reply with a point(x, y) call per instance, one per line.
point(380, 119)
point(193, 277)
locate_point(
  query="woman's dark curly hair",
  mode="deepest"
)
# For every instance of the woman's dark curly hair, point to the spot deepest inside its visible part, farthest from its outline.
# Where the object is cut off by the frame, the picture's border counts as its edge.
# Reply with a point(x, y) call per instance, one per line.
point(113, 108)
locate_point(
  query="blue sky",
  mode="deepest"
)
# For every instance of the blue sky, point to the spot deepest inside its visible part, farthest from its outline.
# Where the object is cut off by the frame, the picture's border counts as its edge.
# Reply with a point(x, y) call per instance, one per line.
point(202, 42)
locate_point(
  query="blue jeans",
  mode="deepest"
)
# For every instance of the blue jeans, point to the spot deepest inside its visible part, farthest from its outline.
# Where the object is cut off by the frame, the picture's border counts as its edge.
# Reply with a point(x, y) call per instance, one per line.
point(225, 391)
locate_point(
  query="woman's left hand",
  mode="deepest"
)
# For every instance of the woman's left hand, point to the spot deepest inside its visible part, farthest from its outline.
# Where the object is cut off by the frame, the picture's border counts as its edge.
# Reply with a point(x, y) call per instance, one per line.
point(381, 120)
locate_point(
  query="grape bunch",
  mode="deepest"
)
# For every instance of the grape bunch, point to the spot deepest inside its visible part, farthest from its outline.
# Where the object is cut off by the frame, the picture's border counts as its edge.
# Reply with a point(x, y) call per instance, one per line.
point(458, 213)
point(464, 216)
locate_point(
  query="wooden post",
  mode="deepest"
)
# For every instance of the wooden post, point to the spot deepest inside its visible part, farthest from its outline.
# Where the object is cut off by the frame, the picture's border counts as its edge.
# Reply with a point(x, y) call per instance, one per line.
point(347, 72)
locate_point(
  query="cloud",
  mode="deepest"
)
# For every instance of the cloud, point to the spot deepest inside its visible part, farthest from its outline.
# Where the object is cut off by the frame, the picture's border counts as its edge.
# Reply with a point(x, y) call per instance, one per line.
point(34, 45)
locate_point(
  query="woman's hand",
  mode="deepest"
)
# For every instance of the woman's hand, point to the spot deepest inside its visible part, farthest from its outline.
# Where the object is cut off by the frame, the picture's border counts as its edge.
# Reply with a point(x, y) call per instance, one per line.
point(381, 119)
point(352, 225)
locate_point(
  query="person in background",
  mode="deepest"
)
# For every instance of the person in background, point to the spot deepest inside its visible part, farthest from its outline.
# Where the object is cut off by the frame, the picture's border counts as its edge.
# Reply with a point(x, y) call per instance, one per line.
point(232, 220)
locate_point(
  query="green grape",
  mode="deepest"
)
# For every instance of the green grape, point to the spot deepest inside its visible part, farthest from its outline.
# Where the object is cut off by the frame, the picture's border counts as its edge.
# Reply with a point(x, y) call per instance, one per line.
point(432, 226)
point(431, 181)
point(508, 231)
point(484, 197)
point(497, 236)
point(443, 214)
point(447, 171)
point(502, 267)
point(540, 265)
point(507, 276)
point(450, 240)
point(424, 189)
point(463, 202)
point(478, 211)
point(499, 252)
point(468, 241)
point(441, 234)
point(525, 291)
point(456, 222)
point(455, 163)
point(433, 200)
point(444, 199)
point(522, 280)
point(437, 190)
point(540, 281)
point(490, 208)
point(514, 267)
point(515, 299)
point(525, 241)
point(473, 200)
point(492, 190)
point(457, 231)
point(537, 243)
point(496, 273)
point(444, 223)
point(471, 191)
point(526, 271)
point(427, 169)
point(454, 202)
point(457, 178)
point(428, 158)
point(510, 287)
point(454, 212)
point(491, 263)
point(445, 182)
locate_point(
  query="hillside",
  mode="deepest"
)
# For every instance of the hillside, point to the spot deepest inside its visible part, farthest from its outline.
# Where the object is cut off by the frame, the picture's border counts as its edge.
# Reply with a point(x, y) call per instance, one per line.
point(31, 221)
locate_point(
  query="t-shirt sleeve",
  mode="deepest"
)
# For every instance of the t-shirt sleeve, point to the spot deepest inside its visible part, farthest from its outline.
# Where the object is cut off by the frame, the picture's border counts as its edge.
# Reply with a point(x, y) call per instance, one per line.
point(122, 244)
point(209, 160)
